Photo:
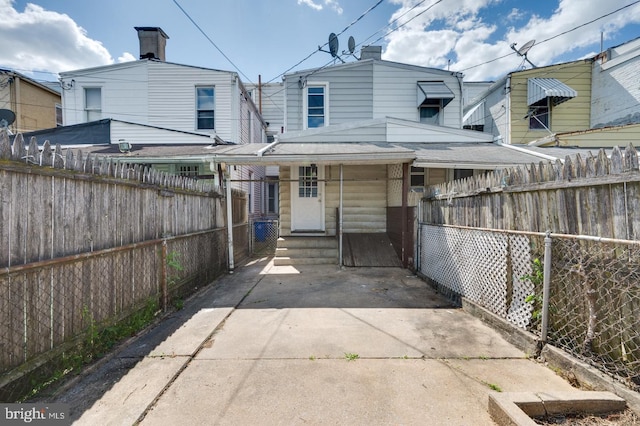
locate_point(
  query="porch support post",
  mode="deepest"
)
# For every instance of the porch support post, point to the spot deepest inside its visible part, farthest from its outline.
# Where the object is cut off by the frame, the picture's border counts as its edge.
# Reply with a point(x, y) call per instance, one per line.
point(340, 221)
point(227, 181)
point(405, 212)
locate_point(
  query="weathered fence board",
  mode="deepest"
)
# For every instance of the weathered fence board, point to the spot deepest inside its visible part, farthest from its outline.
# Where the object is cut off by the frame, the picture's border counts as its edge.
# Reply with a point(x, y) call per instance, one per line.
point(594, 195)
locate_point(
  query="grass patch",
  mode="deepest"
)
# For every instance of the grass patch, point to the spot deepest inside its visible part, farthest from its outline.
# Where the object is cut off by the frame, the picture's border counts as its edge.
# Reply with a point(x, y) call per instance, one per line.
point(351, 356)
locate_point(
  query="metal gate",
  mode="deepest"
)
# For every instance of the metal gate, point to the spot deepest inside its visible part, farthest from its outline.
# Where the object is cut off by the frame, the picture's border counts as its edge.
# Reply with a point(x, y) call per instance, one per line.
point(264, 236)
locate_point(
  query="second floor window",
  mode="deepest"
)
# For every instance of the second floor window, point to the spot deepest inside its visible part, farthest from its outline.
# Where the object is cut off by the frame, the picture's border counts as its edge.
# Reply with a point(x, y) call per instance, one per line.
point(93, 103)
point(205, 108)
point(430, 111)
point(316, 107)
point(58, 115)
point(539, 116)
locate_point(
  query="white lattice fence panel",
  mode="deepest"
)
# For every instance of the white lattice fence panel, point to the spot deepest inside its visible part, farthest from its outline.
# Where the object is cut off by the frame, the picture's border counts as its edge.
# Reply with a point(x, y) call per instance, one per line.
point(479, 265)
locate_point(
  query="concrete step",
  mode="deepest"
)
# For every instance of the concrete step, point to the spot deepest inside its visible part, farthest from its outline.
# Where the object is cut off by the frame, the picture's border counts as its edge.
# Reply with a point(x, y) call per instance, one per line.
point(307, 242)
point(300, 250)
point(306, 252)
point(288, 261)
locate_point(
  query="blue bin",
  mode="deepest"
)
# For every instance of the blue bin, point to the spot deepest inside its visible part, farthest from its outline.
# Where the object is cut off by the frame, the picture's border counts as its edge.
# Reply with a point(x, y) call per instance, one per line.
point(261, 230)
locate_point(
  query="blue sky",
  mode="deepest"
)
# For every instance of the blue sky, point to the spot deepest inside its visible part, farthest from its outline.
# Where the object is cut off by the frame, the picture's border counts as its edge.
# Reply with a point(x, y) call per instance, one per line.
point(268, 37)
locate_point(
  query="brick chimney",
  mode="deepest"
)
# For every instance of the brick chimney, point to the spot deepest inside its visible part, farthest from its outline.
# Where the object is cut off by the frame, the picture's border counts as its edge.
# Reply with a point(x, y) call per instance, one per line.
point(153, 42)
point(371, 52)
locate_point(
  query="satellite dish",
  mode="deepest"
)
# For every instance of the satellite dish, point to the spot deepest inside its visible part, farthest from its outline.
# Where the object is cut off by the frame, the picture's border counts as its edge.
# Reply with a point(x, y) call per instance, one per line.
point(522, 52)
point(333, 44)
point(7, 117)
point(352, 44)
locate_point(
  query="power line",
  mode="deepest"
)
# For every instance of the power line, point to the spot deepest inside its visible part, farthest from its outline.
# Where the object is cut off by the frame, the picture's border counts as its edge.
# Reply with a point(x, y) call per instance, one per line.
point(211, 41)
point(557, 35)
point(366, 12)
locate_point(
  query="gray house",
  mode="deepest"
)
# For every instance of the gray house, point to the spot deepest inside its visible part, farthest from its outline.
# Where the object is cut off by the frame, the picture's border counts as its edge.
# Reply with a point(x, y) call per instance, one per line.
point(361, 140)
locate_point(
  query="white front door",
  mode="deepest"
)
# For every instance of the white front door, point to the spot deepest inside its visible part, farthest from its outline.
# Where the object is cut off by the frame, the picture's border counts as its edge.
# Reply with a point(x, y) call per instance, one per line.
point(307, 198)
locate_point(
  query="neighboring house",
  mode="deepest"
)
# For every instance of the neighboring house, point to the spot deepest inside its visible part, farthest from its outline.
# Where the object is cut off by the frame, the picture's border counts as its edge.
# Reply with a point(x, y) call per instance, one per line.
point(531, 104)
point(269, 98)
point(35, 105)
point(588, 103)
point(616, 92)
point(153, 102)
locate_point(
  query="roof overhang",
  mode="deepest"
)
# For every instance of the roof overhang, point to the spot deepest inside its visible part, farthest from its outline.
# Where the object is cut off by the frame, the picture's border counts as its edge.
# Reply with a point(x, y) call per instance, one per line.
point(543, 88)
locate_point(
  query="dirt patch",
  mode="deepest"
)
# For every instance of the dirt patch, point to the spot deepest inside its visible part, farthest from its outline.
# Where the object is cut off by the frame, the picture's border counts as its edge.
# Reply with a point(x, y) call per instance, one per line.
point(626, 418)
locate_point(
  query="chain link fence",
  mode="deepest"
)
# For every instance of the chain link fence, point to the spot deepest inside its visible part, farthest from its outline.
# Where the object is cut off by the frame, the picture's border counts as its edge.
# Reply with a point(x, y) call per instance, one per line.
point(594, 303)
point(59, 314)
point(264, 236)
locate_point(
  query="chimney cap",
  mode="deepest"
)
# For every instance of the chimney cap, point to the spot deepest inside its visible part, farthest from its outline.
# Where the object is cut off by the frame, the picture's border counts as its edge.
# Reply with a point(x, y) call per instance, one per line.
point(158, 29)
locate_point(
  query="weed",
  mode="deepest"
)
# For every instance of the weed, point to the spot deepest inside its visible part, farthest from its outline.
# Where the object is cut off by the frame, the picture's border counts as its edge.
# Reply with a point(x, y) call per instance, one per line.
point(97, 341)
point(312, 358)
point(350, 356)
point(537, 279)
point(494, 387)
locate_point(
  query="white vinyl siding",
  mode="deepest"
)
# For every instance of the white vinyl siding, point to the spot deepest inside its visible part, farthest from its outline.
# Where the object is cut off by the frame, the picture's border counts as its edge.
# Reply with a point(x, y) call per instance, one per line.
point(395, 93)
point(350, 95)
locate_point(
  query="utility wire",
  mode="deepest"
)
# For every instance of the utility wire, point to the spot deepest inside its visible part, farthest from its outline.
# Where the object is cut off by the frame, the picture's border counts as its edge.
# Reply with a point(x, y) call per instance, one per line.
point(557, 35)
point(366, 12)
point(211, 41)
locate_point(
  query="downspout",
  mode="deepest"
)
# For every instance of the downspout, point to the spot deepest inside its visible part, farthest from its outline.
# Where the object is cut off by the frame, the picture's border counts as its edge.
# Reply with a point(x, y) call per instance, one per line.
point(340, 262)
point(261, 151)
point(404, 212)
point(527, 151)
point(460, 83)
point(507, 111)
point(227, 180)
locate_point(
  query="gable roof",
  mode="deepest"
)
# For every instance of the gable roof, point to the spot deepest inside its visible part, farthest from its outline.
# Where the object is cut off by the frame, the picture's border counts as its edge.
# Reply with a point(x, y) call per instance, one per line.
point(130, 64)
point(367, 62)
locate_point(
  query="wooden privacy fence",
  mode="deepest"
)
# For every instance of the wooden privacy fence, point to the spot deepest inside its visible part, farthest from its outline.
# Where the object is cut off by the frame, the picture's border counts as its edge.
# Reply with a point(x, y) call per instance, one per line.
point(596, 196)
point(86, 243)
point(92, 204)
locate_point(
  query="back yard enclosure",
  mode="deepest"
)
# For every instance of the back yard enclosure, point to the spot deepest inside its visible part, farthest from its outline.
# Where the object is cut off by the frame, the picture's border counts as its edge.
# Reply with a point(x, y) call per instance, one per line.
point(480, 239)
point(85, 244)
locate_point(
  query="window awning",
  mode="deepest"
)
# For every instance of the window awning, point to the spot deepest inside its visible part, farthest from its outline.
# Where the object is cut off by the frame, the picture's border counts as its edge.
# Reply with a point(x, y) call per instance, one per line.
point(434, 90)
point(542, 88)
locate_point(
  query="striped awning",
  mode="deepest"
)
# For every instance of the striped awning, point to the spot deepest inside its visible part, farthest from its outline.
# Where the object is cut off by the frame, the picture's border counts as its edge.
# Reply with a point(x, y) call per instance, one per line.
point(434, 90)
point(542, 88)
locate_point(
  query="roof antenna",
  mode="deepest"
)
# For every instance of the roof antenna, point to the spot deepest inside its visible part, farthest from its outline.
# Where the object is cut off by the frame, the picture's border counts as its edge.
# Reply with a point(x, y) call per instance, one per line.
point(352, 47)
point(522, 52)
point(333, 47)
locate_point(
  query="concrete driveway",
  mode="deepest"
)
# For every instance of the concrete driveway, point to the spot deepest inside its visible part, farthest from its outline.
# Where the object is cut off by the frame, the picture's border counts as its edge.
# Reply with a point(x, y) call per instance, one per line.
point(311, 345)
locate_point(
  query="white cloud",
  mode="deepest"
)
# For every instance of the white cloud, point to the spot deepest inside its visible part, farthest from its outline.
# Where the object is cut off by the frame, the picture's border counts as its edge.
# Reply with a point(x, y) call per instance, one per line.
point(311, 4)
point(38, 39)
point(126, 57)
point(333, 4)
point(470, 34)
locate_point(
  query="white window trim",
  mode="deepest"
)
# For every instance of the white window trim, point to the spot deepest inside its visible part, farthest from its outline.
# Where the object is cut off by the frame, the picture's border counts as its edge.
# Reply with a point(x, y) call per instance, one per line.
point(87, 110)
point(305, 102)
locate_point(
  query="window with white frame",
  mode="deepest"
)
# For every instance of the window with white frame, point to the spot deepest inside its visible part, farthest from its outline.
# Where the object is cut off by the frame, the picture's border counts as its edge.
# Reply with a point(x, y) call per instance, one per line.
point(205, 108)
point(93, 103)
point(316, 106)
point(430, 111)
point(58, 115)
